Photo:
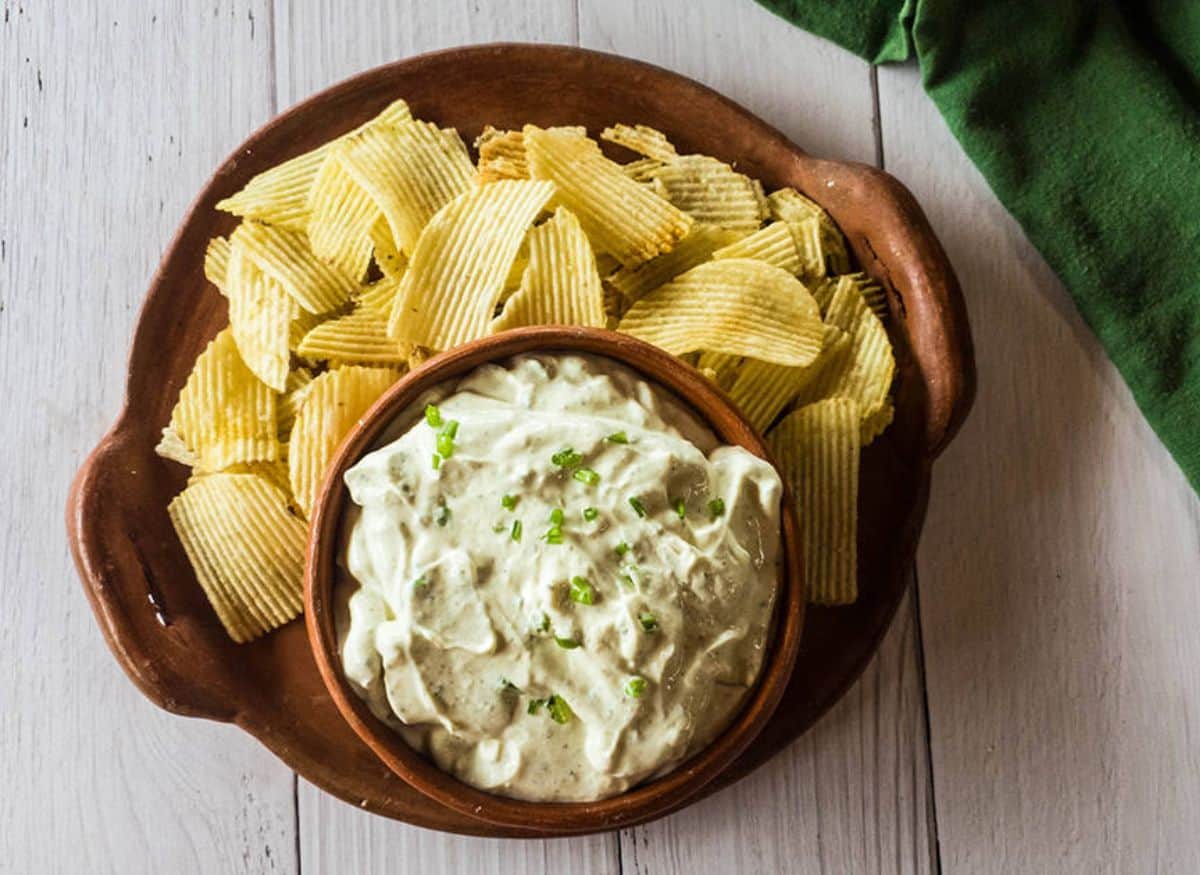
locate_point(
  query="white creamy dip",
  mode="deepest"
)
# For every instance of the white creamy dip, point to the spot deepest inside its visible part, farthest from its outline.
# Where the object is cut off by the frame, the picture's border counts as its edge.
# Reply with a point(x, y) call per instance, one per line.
point(594, 652)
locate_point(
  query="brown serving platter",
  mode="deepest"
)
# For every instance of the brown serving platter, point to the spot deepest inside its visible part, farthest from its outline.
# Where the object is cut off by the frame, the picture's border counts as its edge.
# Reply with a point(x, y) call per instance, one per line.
point(154, 615)
point(325, 576)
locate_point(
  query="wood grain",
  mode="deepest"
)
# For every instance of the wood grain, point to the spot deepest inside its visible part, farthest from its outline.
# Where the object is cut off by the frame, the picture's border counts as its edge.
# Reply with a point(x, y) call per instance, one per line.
point(1058, 569)
point(107, 131)
point(810, 810)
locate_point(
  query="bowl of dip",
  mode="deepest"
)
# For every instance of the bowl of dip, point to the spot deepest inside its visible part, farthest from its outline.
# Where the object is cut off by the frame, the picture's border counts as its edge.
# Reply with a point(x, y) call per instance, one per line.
point(553, 580)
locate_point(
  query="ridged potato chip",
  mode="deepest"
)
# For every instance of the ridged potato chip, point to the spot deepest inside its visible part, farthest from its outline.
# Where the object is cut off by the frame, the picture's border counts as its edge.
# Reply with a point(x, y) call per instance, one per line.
point(391, 260)
point(501, 155)
point(561, 285)
point(286, 257)
point(280, 195)
point(456, 276)
point(641, 139)
point(712, 192)
point(216, 261)
point(360, 336)
point(641, 170)
point(333, 403)
point(694, 249)
point(737, 306)
point(275, 473)
point(260, 315)
point(775, 244)
point(246, 547)
point(410, 171)
point(342, 217)
point(789, 205)
point(720, 367)
point(225, 414)
point(172, 446)
point(817, 448)
point(762, 390)
point(619, 216)
point(295, 391)
point(379, 296)
point(846, 305)
point(615, 305)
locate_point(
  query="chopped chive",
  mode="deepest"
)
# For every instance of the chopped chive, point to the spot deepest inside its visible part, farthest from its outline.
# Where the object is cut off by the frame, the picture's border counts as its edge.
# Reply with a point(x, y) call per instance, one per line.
point(680, 508)
point(445, 445)
point(716, 508)
point(581, 591)
point(618, 437)
point(648, 620)
point(443, 516)
point(508, 502)
point(566, 458)
point(544, 623)
point(590, 513)
point(586, 476)
point(420, 582)
point(627, 581)
point(557, 516)
point(635, 686)
point(566, 643)
point(433, 416)
point(553, 535)
point(534, 705)
point(437, 461)
point(451, 428)
point(558, 709)
point(498, 528)
point(636, 503)
point(622, 548)
point(515, 533)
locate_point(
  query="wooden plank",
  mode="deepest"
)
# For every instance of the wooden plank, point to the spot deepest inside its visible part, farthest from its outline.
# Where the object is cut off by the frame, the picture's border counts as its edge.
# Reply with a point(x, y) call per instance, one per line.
point(318, 44)
point(1058, 569)
point(108, 131)
point(852, 795)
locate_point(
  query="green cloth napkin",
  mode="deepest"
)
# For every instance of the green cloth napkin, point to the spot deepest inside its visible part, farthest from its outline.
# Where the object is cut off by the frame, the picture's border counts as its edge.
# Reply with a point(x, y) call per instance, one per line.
point(1085, 119)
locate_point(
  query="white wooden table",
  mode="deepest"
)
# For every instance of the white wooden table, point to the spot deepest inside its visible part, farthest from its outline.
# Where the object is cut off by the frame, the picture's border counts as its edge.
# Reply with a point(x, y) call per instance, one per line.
point(1035, 708)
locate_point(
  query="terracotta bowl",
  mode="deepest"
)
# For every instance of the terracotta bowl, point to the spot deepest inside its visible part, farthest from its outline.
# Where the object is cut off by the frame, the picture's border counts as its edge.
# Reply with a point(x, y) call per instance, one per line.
point(134, 571)
point(324, 575)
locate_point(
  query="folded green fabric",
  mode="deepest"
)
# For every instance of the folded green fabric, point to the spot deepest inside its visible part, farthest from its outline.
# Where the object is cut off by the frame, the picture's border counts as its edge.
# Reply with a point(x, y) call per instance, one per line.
point(1085, 119)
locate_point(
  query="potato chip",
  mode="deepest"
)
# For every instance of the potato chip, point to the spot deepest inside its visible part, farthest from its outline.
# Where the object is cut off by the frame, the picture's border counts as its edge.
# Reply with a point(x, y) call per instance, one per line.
point(864, 375)
point(247, 549)
point(379, 296)
point(225, 414)
point(333, 404)
point(712, 192)
point(775, 244)
point(341, 219)
point(846, 305)
point(789, 205)
point(762, 390)
point(817, 448)
point(295, 391)
point(643, 140)
point(260, 316)
point(615, 305)
point(391, 260)
point(359, 336)
point(560, 285)
point(873, 294)
point(694, 249)
point(216, 261)
point(619, 216)
point(286, 257)
point(410, 171)
point(173, 447)
point(501, 155)
point(449, 293)
point(641, 170)
point(737, 306)
point(275, 473)
point(720, 367)
point(280, 195)
point(303, 323)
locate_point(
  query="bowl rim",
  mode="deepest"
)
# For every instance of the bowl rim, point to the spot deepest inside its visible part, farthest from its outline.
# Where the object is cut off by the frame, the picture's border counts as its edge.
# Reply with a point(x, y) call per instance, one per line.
point(643, 801)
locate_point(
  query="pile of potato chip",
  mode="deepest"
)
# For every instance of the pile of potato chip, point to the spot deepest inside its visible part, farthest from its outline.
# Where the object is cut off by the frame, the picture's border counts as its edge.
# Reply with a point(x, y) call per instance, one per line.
point(358, 260)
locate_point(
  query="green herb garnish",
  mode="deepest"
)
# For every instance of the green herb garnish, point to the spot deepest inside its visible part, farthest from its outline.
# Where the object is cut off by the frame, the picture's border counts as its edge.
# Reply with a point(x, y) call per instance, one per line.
point(636, 503)
point(451, 428)
point(420, 582)
point(498, 528)
point(433, 416)
point(515, 534)
point(618, 437)
point(590, 513)
point(648, 620)
point(627, 581)
point(566, 643)
point(508, 502)
point(680, 508)
point(543, 624)
point(557, 516)
point(622, 548)
point(534, 705)
point(635, 686)
point(445, 439)
point(581, 591)
point(443, 516)
point(558, 709)
point(716, 508)
point(437, 461)
point(586, 476)
point(553, 535)
point(567, 458)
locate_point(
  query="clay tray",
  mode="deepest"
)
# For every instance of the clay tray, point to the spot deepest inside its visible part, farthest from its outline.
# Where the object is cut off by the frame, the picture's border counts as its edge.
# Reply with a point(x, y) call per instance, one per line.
point(154, 615)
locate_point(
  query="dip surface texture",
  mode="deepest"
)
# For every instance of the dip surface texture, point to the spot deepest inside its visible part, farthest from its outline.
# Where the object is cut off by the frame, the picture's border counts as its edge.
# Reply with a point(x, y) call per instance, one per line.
point(577, 597)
